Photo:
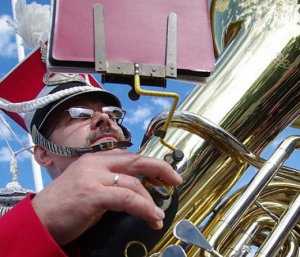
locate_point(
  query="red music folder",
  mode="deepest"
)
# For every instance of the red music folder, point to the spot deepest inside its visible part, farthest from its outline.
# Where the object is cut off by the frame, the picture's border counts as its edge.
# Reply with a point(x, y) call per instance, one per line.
point(135, 31)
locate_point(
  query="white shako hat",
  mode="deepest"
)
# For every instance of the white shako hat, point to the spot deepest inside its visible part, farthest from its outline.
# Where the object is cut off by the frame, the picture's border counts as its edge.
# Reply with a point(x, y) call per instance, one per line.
point(29, 82)
point(60, 82)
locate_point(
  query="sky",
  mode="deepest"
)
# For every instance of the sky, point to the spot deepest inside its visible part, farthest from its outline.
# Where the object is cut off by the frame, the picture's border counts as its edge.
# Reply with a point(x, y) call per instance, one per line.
point(138, 115)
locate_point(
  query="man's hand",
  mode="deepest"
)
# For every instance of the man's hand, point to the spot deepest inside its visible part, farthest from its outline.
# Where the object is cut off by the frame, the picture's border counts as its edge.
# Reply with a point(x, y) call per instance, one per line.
point(79, 197)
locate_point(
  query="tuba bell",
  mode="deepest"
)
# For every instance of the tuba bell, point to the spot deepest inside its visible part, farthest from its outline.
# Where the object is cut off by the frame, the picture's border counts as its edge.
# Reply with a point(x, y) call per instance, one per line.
point(224, 125)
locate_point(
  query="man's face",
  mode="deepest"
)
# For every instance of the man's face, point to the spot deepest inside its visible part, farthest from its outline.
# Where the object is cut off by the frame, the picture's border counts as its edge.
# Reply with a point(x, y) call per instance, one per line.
point(82, 132)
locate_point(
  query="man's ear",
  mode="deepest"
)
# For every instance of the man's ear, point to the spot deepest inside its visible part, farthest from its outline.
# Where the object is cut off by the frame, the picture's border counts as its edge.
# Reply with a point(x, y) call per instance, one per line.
point(42, 157)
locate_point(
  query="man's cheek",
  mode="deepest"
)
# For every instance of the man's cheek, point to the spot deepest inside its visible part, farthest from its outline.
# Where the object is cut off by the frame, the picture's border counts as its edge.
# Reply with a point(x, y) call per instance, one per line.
point(122, 136)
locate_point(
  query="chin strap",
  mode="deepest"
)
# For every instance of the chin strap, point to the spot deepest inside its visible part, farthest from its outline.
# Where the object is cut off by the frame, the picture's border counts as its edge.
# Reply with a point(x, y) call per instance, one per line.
point(67, 151)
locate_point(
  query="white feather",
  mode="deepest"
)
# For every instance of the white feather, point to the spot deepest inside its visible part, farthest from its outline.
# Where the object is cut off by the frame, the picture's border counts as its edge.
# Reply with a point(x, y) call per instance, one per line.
point(32, 22)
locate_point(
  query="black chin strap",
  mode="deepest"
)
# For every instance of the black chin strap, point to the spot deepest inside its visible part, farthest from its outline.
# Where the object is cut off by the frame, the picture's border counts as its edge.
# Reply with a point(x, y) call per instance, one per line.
point(67, 151)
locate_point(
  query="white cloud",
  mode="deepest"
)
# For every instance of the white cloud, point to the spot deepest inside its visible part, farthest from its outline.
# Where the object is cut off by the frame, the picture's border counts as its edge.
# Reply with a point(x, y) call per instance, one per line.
point(138, 115)
point(7, 42)
point(24, 155)
point(165, 104)
point(143, 114)
point(4, 131)
point(5, 154)
point(10, 134)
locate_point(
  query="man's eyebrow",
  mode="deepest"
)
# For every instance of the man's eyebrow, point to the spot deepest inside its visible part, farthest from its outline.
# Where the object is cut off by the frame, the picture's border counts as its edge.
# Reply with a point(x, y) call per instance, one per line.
point(76, 105)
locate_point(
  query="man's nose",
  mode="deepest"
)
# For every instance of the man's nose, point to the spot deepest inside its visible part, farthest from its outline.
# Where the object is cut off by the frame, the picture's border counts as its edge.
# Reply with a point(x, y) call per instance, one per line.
point(100, 120)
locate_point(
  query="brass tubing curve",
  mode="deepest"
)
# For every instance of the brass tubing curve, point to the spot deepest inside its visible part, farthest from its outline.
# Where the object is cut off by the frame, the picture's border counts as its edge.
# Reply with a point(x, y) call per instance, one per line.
point(219, 137)
point(203, 128)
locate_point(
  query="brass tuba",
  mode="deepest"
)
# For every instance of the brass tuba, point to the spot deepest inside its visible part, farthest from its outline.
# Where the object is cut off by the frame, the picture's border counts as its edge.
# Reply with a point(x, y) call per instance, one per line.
point(223, 126)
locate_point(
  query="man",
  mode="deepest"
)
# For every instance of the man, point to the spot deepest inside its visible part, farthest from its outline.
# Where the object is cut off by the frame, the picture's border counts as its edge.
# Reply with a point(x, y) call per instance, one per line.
point(80, 140)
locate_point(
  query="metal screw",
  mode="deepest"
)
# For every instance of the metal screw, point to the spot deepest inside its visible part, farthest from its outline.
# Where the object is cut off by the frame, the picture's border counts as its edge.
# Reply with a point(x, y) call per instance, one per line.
point(136, 68)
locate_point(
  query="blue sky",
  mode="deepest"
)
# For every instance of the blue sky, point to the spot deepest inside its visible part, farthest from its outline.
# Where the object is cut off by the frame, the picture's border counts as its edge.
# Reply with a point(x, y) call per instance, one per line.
point(138, 113)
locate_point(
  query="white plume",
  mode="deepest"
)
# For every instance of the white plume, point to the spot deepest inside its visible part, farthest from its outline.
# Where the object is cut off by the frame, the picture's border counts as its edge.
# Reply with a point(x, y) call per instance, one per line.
point(32, 22)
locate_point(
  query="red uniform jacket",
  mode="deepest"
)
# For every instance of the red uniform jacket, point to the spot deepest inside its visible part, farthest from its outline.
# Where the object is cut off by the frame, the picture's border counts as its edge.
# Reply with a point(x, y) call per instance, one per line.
point(23, 235)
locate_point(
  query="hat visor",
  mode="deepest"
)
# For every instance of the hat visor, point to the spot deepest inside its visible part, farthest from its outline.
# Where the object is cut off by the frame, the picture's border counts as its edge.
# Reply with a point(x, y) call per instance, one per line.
point(103, 96)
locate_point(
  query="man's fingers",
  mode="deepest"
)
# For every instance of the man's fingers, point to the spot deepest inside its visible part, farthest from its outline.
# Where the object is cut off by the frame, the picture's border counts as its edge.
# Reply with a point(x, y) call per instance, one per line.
point(134, 165)
point(131, 183)
point(123, 180)
point(124, 200)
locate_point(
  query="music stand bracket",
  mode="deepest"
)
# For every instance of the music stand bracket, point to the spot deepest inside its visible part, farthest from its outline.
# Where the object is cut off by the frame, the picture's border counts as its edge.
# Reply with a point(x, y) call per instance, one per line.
point(99, 35)
point(102, 65)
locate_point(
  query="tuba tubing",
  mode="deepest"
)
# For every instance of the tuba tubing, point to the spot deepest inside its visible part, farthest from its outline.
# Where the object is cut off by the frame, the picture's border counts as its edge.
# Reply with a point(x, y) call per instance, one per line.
point(222, 139)
point(272, 246)
point(261, 180)
point(254, 226)
point(253, 94)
